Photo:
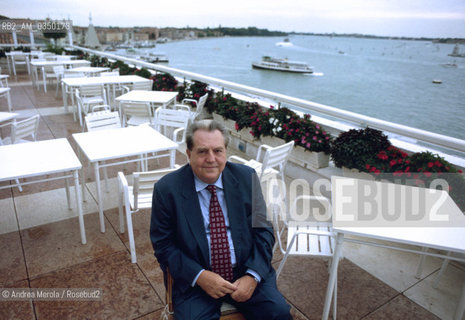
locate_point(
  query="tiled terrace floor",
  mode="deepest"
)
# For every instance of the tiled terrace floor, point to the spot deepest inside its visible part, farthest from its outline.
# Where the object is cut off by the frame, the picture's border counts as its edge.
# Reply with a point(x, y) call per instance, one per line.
point(44, 254)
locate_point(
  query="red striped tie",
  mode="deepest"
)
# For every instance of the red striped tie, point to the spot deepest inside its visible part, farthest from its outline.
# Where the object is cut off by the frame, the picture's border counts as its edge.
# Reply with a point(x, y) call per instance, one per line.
point(219, 244)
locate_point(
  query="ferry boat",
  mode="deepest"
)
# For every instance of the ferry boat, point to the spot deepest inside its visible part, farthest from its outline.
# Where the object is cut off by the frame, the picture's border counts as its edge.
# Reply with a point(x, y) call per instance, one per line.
point(276, 64)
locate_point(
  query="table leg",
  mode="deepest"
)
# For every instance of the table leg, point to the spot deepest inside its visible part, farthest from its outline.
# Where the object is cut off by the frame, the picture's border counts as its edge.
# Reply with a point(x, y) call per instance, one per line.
point(65, 99)
point(68, 198)
point(172, 158)
point(8, 99)
point(333, 275)
point(99, 197)
point(79, 207)
point(461, 305)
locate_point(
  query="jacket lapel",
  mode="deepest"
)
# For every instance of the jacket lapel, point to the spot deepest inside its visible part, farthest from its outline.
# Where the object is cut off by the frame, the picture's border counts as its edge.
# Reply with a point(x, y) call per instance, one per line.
point(193, 215)
point(236, 217)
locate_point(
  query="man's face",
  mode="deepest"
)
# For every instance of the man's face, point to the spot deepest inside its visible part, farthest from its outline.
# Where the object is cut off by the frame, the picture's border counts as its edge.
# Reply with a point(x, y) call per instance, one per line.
point(208, 155)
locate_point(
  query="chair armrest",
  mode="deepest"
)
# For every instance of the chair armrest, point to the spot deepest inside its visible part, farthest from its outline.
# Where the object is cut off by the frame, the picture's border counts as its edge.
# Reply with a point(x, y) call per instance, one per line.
point(262, 148)
point(189, 100)
point(175, 134)
point(237, 159)
point(182, 107)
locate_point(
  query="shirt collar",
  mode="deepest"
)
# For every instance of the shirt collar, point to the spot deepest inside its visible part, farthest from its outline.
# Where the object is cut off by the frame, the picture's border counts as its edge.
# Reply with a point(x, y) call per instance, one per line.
point(200, 185)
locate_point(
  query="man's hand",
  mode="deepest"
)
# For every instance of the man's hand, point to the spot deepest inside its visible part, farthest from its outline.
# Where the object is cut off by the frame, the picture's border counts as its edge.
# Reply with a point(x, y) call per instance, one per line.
point(214, 285)
point(245, 288)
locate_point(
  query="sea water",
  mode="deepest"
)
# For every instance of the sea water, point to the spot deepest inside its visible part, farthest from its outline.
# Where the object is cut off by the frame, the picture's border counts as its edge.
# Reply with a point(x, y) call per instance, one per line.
point(387, 79)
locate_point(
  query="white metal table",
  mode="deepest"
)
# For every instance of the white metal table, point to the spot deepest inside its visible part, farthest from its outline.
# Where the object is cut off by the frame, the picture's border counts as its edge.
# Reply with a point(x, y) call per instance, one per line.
point(36, 64)
point(155, 98)
point(160, 98)
point(89, 71)
point(42, 158)
point(11, 59)
point(113, 144)
point(446, 238)
point(75, 83)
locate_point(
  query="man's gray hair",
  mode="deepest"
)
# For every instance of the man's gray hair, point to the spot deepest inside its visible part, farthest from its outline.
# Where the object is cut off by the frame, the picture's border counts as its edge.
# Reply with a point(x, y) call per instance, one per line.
point(207, 125)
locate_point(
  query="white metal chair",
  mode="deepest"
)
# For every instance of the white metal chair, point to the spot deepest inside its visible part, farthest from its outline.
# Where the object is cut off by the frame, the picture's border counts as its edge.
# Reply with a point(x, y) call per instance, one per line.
point(59, 74)
point(136, 113)
point(20, 130)
point(5, 92)
point(143, 85)
point(311, 237)
point(175, 121)
point(199, 105)
point(228, 311)
point(136, 197)
point(88, 96)
point(101, 120)
point(21, 60)
point(274, 160)
point(48, 73)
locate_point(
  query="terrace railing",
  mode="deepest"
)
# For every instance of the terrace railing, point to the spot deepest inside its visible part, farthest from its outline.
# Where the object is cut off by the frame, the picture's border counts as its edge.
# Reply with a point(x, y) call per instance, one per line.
point(438, 141)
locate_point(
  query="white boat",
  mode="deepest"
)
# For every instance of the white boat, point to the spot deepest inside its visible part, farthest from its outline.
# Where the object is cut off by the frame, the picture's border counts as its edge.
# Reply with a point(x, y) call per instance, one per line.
point(154, 57)
point(276, 64)
point(285, 43)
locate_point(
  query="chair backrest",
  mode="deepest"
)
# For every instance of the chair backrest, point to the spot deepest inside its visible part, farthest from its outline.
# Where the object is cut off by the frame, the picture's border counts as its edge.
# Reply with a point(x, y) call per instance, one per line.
point(92, 91)
point(25, 128)
point(109, 74)
point(142, 189)
point(63, 58)
point(102, 107)
point(136, 109)
point(3, 82)
point(20, 58)
point(72, 74)
point(201, 104)
point(275, 157)
point(59, 71)
point(174, 119)
point(81, 64)
point(102, 120)
point(144, 85)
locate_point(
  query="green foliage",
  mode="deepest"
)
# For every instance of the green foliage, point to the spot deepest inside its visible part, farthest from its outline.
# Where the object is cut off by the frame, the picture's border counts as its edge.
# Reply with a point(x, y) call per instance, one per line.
point(164, 82)
point(143, 73)
point(355, 148)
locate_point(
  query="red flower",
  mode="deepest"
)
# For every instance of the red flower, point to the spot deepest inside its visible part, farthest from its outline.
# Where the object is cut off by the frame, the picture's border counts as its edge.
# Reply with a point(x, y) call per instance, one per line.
point(430, 164)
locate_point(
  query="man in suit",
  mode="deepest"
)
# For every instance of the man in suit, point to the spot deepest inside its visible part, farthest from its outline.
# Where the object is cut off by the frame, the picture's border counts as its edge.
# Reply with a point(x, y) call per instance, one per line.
point(182, 234)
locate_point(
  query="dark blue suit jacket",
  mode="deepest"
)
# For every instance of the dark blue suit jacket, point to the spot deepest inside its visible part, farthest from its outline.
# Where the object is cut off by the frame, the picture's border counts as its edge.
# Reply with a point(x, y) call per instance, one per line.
point(177, 229)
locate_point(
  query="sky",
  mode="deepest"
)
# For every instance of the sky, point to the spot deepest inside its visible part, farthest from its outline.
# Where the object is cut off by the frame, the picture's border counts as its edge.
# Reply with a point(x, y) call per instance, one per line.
point(409, 18)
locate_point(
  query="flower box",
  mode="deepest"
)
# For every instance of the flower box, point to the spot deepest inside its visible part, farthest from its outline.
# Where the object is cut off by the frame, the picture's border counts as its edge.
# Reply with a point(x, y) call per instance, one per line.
point(228, 123)
point(356, 174)
point(313, 160)
point(248, 137)
point(272, 141)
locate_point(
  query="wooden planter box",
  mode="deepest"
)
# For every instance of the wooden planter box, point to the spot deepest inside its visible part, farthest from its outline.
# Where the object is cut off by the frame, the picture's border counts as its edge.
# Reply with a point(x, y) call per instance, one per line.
point(313, 160)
